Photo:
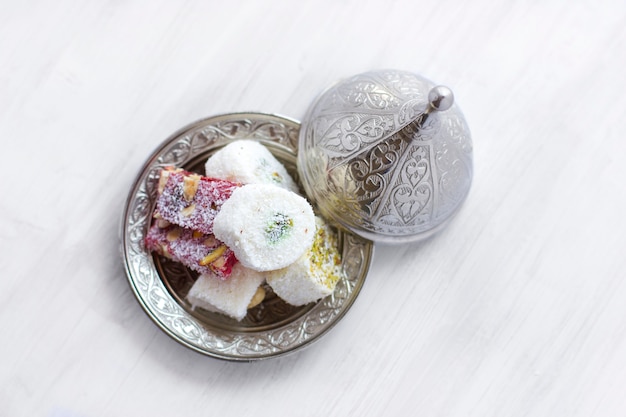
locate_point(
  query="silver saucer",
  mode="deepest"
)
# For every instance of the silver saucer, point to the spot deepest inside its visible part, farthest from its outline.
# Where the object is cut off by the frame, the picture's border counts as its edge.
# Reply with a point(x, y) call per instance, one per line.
point(272, 329)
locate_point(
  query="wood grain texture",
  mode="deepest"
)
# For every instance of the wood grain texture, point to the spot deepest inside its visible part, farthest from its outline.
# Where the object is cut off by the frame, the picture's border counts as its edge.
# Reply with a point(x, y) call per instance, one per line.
point(518, 308)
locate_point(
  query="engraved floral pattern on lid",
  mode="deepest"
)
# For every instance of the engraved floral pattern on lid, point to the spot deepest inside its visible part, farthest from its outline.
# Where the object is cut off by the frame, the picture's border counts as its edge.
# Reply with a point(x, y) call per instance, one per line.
point(379, 161)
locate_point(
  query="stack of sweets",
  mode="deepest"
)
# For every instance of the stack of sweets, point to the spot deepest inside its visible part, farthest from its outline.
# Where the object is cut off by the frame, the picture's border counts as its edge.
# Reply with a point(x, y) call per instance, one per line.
point(240, 226)
point(187, 204)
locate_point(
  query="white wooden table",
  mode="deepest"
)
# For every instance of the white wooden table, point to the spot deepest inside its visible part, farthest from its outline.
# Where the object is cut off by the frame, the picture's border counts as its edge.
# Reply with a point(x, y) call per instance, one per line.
point(518, 308)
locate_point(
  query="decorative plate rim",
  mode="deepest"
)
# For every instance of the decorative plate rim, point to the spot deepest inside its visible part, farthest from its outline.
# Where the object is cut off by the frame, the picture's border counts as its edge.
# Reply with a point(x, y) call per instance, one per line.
point(280, 133)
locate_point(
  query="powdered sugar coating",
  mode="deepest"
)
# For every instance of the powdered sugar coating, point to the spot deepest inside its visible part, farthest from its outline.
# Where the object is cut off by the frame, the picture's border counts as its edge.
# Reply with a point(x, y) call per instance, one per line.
point(199, 211)
point(266, 226)
point(248, 162)
point(191, 248)
point(229, 297)
point(314, 275)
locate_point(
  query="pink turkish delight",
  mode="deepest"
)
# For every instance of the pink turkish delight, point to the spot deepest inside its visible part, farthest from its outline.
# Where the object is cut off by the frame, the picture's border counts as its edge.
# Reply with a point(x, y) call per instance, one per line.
point(190, 200)
point(198, 251)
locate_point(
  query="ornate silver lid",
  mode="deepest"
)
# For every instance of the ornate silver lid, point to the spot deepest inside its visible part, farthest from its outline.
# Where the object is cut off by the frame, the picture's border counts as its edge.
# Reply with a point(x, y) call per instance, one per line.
point(386, 154)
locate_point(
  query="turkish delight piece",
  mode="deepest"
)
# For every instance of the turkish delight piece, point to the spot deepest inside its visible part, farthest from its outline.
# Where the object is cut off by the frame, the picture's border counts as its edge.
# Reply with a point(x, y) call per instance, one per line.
point(191, 200)
point(232, 297)
point(198, 251)
point(266, 226)
point(248, 162)
point(314, 275)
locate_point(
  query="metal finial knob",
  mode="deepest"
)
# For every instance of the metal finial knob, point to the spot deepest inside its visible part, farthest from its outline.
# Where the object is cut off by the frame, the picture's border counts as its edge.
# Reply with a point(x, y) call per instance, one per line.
point(440, 98)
